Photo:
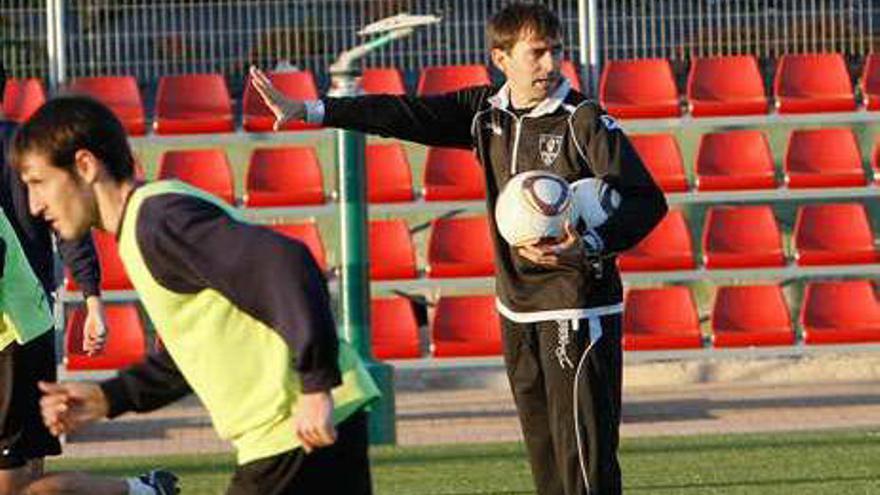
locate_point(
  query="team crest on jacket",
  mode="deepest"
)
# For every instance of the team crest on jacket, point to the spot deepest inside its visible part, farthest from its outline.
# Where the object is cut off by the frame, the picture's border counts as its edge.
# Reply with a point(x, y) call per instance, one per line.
point(549, 146)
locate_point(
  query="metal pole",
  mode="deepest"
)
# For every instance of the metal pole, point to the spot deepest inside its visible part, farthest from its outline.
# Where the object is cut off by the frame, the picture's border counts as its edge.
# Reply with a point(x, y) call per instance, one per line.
point(355, 285)
point(588, 34)
point(55, 43)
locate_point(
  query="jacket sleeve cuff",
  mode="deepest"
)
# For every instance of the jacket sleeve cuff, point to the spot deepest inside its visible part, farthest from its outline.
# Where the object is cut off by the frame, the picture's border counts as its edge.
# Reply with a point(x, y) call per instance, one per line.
point(320, 380)
point(314, 111)
point(117, 397)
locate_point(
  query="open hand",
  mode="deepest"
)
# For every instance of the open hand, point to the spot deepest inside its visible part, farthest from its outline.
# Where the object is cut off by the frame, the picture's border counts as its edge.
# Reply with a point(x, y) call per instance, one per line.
point(283, 107)
point(568, 250)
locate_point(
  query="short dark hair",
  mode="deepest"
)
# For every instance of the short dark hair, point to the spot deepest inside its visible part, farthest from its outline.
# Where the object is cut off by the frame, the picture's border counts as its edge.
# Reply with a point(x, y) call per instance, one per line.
point(65, 125)
point(508, 25)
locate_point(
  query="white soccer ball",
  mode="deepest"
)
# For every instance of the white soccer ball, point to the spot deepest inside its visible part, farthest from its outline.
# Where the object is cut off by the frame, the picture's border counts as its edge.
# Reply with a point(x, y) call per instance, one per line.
point(533, 206)
point(593, 201)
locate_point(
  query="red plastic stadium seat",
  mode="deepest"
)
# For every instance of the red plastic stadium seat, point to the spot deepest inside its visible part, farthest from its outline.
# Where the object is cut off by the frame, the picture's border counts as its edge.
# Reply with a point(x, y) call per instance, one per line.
point(840, 312)
point(824, 158)
point(570, 72)
point(193, 104)
point(871, 82)
point(22, 97)
point(113, 276)
point(466, 326)
point(813, 82)
point(308, 234)
point(389, 177)
point(833, 234)
point(640, 88)
point(659, 319)
point(661, 155)
point(734, 160)
point(393, 329)
point(453, 174)
point(742, 236)
point(449, 78)
point(284, 176)
point(299, 85)
point(667, 247)
point(207, 169)
point(726, 85)
point(751, 315)
point(120, 94)
point(392, 253)
point(875, 162)
point(126, 342)
point(460, 247)
point(382, 80)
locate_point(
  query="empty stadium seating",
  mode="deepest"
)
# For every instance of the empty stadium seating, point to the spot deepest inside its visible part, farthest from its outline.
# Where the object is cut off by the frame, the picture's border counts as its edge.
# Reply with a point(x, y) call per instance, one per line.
point(813, 82)
point(667, 247)
point(256, 116)
point(126, 342)
point(871, 82)
point(725, 85)
point(460, 247)
point(22, 97)
point(836, 312)
point(193, 104)
point(394, 329)
point(207, 169)
point(389, 176)
point(382, 80)
point(284, 176)
point(742, 237)
point(751, 315)
point(466, 326)
point(661, 155)
point(447, 78)
point(833, 234)
point(639, 88)
point(113, 276)
point(732, 160)
point(308, 234)
point(120, 94)
point(660, 319)
point(392, 253)
point(453, 174)
point(823, 158)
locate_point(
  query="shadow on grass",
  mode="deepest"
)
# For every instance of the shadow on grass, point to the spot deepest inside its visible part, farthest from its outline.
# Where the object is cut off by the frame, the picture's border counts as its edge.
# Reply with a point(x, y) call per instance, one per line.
point(741, 442)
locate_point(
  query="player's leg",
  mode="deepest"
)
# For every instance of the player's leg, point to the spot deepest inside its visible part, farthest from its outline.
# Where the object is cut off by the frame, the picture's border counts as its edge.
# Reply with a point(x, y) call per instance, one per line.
point(524, 371)
point(343, 467)
point(586, 436)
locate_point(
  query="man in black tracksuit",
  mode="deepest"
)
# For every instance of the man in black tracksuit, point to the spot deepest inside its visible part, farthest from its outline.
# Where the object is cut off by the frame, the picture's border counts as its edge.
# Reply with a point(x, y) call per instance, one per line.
point(24, 440)
point(561, 304)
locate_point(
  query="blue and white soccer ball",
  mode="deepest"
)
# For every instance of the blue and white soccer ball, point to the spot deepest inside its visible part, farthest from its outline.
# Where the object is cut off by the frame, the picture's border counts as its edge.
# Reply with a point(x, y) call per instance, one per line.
point(533, 207)
point(593, 201)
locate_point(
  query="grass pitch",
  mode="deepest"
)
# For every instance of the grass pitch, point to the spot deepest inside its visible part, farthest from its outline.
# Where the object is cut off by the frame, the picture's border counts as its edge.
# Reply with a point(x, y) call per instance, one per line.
point(840, 462)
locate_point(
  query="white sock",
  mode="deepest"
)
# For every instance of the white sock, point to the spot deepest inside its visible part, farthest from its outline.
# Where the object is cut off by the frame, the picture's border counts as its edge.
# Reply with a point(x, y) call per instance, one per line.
point(138, 487)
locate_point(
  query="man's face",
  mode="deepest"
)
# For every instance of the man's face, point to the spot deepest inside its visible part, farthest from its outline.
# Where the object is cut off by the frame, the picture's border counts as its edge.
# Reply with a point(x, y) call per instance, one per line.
point(531, 68)
point(60, 197)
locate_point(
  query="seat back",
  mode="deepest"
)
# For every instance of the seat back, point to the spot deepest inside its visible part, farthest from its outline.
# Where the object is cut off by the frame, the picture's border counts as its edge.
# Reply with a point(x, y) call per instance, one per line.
point(662, 156)
point(835, 233)
point(751, 315)
point(207, 169)
point(840, 312)
point(120, 94)
point(382, 80)
point(126, 341)
point(871, 82)
point(827, 157)
point(639, 88)
point(448, 78)
point(667, 247)
point(742, 236)
point(284, 176)
point(726, 85)
point(192, 104)
point(813, 82)
point(460, 247)
point(389, 177)
point(394, 329)
point(392, 252)
point(732, 160)
point(660, 318)
point(453, 174)
point(22, 97)
point(308, 234)
point(466, 326)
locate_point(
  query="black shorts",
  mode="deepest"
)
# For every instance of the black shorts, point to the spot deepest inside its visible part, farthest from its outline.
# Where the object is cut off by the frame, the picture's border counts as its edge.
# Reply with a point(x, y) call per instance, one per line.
point(343, 467)
point(22, 434)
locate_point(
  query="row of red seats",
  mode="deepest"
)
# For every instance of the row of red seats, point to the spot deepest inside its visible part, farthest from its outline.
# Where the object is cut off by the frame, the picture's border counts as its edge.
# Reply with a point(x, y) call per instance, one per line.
point(655, 319)
point(733, 237)
point(201, 103)
point(742, 159)
point(292, 175)
point(638, 88)
point(733, 85)
point(734, 160)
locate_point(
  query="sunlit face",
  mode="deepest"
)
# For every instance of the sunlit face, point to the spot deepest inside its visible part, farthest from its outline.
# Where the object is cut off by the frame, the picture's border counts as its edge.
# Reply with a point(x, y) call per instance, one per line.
point(531, 68)
point(60, 197)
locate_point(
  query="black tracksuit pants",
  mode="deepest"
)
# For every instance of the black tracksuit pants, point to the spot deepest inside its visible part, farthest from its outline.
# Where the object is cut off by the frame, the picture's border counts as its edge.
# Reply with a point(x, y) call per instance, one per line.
point(551, 367)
